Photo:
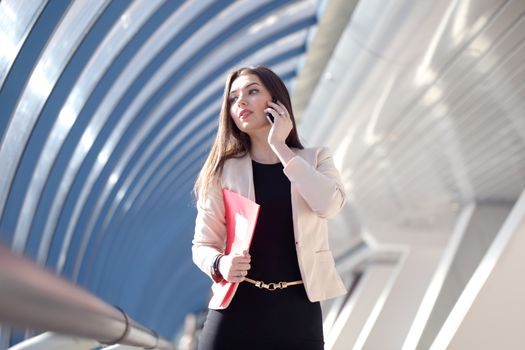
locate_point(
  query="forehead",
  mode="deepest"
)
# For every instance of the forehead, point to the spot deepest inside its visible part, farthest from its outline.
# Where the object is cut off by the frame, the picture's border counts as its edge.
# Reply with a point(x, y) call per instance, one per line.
point(245, 80)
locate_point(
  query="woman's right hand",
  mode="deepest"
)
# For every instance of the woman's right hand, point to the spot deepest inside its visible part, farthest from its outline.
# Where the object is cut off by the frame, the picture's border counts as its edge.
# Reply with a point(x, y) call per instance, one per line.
point(234, 267)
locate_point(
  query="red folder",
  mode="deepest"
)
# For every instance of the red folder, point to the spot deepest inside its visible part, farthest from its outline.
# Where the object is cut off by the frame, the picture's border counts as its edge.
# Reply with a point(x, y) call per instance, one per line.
point(241, 216)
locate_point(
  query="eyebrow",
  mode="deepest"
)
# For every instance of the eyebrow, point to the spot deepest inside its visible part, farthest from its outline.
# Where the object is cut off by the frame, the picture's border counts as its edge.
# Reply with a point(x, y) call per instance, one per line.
point(244, 87)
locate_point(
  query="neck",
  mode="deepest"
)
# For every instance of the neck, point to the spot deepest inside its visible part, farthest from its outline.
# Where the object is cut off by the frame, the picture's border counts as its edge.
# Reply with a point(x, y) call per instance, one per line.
point(261, 151)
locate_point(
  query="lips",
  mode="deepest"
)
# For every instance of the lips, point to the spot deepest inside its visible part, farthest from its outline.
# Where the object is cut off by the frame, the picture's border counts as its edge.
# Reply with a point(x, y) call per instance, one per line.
point(245, 113)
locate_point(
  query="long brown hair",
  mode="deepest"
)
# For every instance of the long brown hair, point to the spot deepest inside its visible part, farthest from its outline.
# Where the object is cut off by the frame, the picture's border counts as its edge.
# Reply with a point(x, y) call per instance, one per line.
point(230, 142)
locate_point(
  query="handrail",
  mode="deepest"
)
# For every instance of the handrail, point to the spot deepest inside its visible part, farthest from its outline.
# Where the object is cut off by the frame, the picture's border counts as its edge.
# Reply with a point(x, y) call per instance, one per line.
point(32, 297)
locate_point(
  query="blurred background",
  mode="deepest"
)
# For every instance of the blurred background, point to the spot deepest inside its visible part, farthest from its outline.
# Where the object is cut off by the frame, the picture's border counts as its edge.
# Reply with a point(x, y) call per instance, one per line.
point(108, 110)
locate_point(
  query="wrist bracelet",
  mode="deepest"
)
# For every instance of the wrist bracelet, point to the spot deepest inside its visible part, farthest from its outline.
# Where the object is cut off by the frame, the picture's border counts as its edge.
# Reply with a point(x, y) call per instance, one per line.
point(215, 273)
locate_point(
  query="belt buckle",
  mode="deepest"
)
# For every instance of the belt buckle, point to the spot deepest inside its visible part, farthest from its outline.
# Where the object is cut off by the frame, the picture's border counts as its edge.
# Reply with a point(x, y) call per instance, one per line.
point(273, 286)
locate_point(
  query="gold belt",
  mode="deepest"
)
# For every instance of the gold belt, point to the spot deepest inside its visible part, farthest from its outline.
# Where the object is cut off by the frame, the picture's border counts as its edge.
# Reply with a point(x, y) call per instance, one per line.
point(272, 286)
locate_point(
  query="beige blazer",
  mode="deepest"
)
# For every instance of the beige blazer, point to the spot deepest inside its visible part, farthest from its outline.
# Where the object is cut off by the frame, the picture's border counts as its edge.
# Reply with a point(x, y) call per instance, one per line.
point(317, 194)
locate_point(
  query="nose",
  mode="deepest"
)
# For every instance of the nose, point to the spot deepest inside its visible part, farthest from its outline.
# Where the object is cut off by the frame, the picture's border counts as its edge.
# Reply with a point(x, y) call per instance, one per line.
point(241, 101)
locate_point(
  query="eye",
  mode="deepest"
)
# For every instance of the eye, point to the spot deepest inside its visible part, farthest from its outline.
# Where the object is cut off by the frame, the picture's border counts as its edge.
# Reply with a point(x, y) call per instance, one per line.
point(253, 91)
point(232, 99)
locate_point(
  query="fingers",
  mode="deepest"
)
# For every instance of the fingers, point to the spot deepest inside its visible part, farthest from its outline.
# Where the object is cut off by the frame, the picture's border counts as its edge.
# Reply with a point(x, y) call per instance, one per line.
point(237, 275)
point(279, 108)
point(235, 267)
point(241, 259)
point(242, 267)
point(236, 279)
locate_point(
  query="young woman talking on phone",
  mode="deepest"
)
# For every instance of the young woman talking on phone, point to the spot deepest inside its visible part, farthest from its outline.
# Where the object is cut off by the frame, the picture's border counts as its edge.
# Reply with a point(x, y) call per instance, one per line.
point(257, 154)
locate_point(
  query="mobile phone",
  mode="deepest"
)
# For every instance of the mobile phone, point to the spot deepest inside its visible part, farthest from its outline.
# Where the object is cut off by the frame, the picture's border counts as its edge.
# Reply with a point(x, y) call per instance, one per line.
point(269, 116)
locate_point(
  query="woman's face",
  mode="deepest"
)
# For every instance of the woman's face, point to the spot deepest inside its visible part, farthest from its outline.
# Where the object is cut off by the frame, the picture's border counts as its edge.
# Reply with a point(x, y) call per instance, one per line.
point(248, 98)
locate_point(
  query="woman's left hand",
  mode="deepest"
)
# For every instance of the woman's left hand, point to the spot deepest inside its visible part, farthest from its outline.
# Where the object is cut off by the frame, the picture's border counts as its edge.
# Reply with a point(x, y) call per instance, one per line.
point(282, 124)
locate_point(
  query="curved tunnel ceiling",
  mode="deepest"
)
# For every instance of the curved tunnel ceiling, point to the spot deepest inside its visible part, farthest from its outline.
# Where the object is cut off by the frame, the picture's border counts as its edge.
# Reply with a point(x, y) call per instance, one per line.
point(107, 112)
point(107, 109)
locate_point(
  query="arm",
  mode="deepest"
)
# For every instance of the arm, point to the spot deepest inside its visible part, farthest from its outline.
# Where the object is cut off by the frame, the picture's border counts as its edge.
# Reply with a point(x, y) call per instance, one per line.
point(321, 187)
point(210, 229)
point(209, 240)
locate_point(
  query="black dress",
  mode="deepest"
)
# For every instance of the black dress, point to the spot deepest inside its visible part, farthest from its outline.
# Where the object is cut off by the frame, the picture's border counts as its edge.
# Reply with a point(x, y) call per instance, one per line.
point(259, 318)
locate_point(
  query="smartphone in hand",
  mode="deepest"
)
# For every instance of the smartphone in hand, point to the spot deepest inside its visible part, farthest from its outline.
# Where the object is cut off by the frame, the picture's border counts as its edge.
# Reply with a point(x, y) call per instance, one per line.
point(269, 116)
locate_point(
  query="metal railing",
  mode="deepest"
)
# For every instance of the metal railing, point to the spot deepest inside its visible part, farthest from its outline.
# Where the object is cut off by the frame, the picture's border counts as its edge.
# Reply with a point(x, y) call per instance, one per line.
point(32, 297)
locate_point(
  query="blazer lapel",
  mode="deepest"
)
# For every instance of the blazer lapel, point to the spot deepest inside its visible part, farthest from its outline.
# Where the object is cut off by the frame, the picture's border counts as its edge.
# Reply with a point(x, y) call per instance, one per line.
point(238, 176)
point(247, 175)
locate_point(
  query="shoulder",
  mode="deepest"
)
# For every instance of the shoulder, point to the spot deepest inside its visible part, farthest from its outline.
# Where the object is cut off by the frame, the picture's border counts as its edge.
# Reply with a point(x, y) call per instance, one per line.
point(234, 162)
point(234, 166)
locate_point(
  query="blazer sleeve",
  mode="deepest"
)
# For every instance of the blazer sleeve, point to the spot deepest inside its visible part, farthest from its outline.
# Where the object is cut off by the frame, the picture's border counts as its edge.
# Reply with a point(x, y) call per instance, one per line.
point(320, 186)
point(210, 229)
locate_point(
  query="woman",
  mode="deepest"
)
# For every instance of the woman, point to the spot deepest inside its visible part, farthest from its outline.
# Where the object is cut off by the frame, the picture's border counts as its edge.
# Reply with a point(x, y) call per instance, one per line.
point(297, 189)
